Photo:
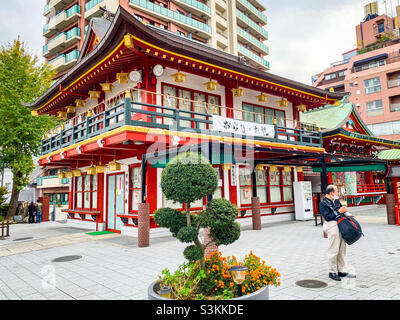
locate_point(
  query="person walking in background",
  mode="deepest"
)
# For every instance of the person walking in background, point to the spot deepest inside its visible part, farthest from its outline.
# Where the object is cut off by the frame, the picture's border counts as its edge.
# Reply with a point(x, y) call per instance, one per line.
point(32, 212)
point(39, 208)
point(331, 209)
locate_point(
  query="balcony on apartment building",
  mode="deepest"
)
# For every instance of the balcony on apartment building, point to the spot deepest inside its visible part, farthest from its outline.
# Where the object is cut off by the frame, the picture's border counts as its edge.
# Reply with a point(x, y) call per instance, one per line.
point(62, 20)
point(254, 13)
point(92, 7)
point(245, 22)
point(197, 7)
point(118, 111)
point(185, 21)
point(256, 59)
point(64, 61)
point(61, 41)
point(55, 5)
point(394, 103)
point(248, 38)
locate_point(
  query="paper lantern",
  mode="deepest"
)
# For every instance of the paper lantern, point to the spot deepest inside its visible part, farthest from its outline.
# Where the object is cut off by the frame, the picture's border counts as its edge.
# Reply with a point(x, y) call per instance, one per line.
point(89, 114)
point(301, 107)
point(299, 169)
point(283, 103)
point(114, 166)
point(94, 94)
point(62, 114)
point(71, 109)
point(100, 168)
point(287, 168)
point(61, 175)
point(68, 174)
point(237, 92)
point(106, 87)
point(262, 97)
point(273, 168)
point(80, 103)
point(226, 166)
point(211, 85)
point(122, 77)
point(259, 167)
point(34, 113)
point(178, 77)
point(91, 170)
point(76, 173)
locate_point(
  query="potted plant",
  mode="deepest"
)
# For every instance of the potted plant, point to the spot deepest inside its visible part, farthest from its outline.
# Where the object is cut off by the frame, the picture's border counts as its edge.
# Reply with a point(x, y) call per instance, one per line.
point(187, 178)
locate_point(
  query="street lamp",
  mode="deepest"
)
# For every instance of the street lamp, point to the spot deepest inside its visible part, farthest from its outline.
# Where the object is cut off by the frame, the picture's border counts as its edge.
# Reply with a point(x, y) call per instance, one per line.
point(239, 275)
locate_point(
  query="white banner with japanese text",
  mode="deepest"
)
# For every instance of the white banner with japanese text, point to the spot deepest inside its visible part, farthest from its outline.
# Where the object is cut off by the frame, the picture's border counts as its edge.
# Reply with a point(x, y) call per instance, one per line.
point(243, 127)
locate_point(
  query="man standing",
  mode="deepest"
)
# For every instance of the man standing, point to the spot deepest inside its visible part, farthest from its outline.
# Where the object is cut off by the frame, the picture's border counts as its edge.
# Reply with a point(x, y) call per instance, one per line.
point(331, 209)
point(39, 208)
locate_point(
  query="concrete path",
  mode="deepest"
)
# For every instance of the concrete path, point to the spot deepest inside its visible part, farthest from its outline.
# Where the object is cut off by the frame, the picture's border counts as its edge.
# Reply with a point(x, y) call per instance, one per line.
point(113, 267)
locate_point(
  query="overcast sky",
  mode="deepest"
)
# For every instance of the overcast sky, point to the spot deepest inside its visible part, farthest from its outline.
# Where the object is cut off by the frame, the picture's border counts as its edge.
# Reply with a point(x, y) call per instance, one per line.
point(305, 36)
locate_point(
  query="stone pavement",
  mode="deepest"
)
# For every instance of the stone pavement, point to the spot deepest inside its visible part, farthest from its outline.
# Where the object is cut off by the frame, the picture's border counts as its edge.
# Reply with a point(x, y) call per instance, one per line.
point(113, 267)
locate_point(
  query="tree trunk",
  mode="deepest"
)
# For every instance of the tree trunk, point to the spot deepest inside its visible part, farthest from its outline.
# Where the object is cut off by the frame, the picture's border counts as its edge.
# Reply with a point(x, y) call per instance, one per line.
point(12, 209)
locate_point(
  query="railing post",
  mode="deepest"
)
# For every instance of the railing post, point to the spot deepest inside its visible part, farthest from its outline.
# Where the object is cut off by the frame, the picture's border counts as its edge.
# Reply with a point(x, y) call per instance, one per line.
point(87, 126)
point(128, 103)
point(176, 120)
point(61, 137)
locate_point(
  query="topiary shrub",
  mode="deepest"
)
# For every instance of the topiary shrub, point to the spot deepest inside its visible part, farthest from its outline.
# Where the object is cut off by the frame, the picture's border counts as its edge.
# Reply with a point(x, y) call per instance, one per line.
point(187, 178)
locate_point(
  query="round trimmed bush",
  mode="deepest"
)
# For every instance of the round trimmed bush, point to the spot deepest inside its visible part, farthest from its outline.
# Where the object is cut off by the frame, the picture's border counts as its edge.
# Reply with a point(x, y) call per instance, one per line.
point(169, 218)
point(227, 234)
point(193, 253)
point(187, 234)
point(188, 177)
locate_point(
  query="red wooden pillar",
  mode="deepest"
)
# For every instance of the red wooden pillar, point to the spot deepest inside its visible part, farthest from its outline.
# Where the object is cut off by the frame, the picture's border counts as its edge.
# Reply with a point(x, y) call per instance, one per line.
point(45, 208)
point(71, 197)
point(152, 188)
point(100, 196)
point(232, 188)
point(300, 174)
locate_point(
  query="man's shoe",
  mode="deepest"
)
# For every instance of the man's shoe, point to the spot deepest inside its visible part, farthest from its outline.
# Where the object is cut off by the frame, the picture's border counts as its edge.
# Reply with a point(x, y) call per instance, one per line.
point(345, 274)
point(334, 276)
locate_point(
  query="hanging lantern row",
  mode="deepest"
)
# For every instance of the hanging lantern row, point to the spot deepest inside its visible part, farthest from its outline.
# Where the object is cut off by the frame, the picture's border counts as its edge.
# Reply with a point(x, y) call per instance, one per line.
point(350, 149)
point(92, 170)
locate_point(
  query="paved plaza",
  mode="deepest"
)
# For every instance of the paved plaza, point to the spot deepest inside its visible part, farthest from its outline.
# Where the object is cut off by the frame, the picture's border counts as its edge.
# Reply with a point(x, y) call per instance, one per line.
point(111, 266)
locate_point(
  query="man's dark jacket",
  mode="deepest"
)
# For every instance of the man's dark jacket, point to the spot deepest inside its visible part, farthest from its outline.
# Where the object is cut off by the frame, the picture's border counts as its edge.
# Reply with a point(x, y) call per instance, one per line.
point(329, 209)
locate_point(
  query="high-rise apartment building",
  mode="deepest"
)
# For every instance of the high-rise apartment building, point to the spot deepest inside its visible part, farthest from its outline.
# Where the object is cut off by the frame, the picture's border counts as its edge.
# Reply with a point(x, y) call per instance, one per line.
point(233, 26)
point(371, 73)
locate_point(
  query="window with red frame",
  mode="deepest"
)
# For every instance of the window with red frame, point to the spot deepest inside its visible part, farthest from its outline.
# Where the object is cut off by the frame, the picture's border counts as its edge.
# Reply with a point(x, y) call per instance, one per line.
point(86, 192)
point(135, 187)
point(189, 100)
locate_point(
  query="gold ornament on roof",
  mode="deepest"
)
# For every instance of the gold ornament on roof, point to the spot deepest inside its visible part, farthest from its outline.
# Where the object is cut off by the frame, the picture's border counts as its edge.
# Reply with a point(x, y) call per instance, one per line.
point(71, 109)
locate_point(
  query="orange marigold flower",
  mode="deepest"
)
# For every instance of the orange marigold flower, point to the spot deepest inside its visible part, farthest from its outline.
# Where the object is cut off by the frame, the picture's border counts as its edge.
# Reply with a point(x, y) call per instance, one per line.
point(231, 284)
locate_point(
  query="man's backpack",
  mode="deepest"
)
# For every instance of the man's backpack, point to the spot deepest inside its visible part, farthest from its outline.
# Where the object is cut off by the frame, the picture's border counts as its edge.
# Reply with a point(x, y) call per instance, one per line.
point(350, 229)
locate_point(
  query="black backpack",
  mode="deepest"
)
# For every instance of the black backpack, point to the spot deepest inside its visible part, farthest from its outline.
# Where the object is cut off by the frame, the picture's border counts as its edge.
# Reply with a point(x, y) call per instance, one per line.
point(350, 229)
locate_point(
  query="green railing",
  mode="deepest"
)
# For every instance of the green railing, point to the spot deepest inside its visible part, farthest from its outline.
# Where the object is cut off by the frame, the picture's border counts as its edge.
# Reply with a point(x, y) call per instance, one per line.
point(45, 48)
point(91, 4)
point(73, 33)
point(197, 4)
point(172, 14)
point(251, 23)
point(252, 40)
point(46, 8)
point(71, 55)
point(75, 9)
point(45, 28)
point(146, 115)
point(254, 10)
point(252, 55)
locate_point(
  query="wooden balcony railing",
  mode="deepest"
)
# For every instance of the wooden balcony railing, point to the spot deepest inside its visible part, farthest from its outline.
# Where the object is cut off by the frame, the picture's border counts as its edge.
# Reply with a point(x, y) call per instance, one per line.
point(371, 188)
point(134, 113)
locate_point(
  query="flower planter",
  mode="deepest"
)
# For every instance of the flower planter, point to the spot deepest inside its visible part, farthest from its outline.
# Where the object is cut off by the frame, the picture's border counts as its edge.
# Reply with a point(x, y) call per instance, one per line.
point(262, 294)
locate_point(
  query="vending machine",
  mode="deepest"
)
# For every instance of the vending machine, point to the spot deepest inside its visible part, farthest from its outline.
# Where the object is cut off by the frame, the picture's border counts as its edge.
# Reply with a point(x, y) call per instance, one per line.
point(303, 202)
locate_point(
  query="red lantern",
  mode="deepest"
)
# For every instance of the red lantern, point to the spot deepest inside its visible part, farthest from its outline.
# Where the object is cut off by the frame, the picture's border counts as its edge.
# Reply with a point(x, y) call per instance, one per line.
point(353, 149)
point(336, 147)
point(345, 148)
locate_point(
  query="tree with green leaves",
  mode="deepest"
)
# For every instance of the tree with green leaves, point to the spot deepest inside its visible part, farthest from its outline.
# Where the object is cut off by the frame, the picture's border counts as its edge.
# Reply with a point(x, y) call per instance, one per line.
point(22, 80)
point(187, 178)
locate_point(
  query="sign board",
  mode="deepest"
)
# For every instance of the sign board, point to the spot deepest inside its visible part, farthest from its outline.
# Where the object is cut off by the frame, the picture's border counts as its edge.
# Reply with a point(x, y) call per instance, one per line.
point(229, 125)
point(394, 171)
